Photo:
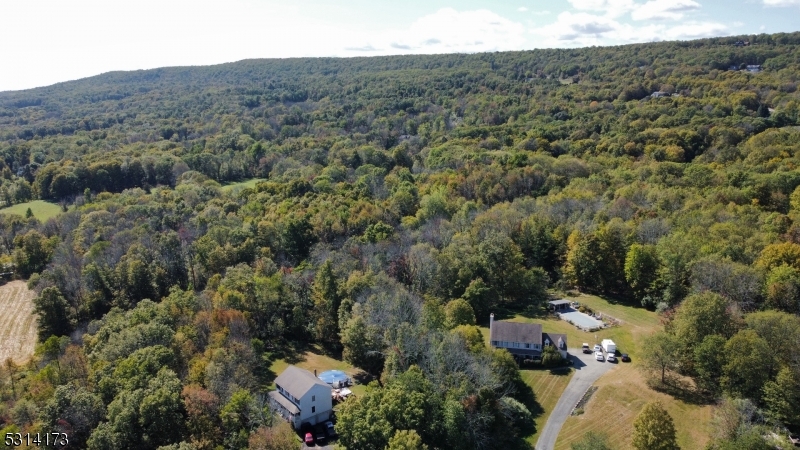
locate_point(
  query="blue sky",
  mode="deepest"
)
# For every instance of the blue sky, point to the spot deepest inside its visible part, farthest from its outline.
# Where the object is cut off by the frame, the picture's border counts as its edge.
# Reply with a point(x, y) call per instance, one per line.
point(48, 41)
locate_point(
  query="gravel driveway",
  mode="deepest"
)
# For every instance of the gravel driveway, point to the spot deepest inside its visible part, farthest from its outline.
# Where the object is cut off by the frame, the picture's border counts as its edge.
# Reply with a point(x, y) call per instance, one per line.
point(587, 371)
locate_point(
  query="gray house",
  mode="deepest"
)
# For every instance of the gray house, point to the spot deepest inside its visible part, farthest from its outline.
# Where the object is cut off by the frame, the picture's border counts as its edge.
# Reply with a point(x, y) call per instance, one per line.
point(300, 397)
point(524, 340)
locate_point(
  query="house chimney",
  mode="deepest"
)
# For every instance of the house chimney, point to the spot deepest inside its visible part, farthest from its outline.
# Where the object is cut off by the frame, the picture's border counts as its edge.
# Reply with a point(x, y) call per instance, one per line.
point(491, 322)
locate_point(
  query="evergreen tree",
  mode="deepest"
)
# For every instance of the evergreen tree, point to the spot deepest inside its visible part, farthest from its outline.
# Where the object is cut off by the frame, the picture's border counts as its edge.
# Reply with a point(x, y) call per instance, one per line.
point(325, 294)
point(53, 312)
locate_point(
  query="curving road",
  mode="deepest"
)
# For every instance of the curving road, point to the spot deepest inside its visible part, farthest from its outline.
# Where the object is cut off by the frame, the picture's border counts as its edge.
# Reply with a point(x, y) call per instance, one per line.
point(587, 371)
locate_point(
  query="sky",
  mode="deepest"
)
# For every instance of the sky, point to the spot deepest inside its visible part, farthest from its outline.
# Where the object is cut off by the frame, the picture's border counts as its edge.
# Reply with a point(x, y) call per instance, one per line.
point(43, 42)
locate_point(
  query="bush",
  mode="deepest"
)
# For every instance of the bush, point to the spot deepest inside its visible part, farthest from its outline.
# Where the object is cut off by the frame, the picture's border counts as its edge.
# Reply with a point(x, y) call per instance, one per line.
point(551, 357)
point(518, 414)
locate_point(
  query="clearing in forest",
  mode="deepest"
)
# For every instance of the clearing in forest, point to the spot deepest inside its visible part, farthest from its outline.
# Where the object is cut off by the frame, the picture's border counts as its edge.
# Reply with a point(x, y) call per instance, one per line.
point(41, 209)
point(242, 185)
point(17, 322)
point(621, 394)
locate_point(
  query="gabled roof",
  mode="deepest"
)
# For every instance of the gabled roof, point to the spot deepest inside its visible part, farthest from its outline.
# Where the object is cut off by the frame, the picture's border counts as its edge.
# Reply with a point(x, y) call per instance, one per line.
point(516, 332)
point(283, 401)
point(558, 340)
point(559, 302)
point(297, 381)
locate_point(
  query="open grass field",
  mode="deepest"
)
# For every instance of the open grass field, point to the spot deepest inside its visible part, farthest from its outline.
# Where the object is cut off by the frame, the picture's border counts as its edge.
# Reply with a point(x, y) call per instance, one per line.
point(242, 184)
point(41, 209)
point(620, 396)
point(17, 322)
point(622, 393)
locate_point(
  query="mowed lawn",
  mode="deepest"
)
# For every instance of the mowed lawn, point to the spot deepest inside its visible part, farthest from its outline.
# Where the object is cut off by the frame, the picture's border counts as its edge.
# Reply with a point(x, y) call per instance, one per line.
point(547, 386)
point(312, 360)
point(242, 184)
point(41, 209)
point(622, 393)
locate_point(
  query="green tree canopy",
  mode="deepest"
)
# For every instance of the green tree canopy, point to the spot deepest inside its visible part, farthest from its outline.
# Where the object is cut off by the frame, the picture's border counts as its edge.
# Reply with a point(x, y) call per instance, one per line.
point(653, 429)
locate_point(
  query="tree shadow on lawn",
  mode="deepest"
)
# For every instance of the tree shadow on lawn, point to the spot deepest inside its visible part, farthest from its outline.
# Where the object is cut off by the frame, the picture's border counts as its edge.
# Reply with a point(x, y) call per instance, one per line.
point(362, 377)
point(291, 352)
point(681, 389)
point(531, 312)
point(616, 299)
point(524, 393)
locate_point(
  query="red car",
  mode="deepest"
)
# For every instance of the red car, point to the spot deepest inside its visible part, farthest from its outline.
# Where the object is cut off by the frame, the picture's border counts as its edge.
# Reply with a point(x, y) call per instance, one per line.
point(309, 439)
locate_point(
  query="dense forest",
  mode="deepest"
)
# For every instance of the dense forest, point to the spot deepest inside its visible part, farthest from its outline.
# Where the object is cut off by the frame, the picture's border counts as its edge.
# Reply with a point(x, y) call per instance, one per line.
point(403, 199)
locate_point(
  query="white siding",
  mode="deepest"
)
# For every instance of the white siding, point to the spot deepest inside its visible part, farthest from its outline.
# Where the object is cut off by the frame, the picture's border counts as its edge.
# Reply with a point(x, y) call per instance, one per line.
point(322, 404)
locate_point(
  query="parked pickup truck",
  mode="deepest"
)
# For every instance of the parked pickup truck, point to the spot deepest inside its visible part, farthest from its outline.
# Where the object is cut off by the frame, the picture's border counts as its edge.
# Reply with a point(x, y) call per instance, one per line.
point(586, 348)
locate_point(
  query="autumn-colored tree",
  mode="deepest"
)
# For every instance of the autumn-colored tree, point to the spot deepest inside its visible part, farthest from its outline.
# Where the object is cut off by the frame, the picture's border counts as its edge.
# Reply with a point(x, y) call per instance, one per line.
point(278, 437)
point(653, 429)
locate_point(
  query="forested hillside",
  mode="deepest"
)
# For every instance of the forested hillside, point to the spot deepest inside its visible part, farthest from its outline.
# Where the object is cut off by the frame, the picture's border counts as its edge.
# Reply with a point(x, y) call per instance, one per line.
point(403, 199)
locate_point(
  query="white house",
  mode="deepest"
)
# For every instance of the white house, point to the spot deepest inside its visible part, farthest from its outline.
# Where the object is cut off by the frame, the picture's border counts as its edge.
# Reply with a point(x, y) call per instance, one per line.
point(524, 340)
point(300, 397)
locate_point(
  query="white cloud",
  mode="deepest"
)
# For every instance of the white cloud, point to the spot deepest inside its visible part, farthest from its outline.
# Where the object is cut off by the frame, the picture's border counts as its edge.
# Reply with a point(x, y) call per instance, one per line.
point(450, 31)
point(664, 9)
point(522, 9)
point(577, 27)
point(695, 30)
point(82, 38)
point(583, 29)
point(611, 8)
point(781, 2)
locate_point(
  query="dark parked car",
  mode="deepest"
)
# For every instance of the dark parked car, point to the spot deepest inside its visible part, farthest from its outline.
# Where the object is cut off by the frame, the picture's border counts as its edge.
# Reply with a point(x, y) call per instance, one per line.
point(330, 429)
point(625, 358)
point(319, 433)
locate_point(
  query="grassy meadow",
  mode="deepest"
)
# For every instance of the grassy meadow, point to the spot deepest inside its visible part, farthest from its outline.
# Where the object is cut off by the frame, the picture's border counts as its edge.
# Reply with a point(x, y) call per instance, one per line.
point(41, 209)
point(242, 185)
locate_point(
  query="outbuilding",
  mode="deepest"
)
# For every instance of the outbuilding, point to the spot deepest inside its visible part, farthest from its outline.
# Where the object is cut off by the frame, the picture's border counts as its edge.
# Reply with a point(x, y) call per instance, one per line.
point(559, 305)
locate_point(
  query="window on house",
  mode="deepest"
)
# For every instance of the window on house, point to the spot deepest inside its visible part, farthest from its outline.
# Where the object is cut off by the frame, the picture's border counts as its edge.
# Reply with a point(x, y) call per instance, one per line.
point(527, 345)
point(313, 409)
point(313, 398)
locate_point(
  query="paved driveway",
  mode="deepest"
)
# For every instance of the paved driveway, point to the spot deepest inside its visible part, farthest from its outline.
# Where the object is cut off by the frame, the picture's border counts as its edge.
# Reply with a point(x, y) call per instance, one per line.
point(587, 371)
point(317, 447)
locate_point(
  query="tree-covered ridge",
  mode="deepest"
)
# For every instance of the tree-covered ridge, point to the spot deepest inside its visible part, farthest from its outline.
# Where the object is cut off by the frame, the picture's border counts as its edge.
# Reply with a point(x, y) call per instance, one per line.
point(403, 199)
point(211, 117)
